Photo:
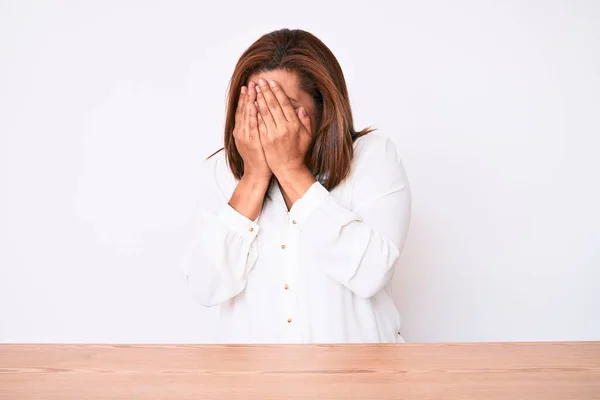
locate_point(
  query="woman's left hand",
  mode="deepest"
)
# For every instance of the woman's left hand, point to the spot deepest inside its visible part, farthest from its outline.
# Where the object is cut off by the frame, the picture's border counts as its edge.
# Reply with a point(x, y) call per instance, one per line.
point(285, 133)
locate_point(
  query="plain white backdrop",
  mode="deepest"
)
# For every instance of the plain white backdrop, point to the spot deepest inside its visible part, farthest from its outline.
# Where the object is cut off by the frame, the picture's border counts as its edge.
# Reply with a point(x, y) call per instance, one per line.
point(108, 108)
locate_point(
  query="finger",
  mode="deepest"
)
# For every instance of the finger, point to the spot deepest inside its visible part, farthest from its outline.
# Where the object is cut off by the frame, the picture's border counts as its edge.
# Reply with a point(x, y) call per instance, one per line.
point(240, 105)
point(284, 102)
point(246, 115)
point(252, 93)
point(305, 120)
point(262, 128)
point(239, 114)
point(252, 115)
point(272, 103)
point(264, 111)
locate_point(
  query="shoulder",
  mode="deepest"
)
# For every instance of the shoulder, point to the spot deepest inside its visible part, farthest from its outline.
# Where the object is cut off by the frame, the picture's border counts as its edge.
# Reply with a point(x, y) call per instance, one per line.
point(376, 166)
point(216, 176)
point(377, 169)
point(215, 161)
point(375, 150)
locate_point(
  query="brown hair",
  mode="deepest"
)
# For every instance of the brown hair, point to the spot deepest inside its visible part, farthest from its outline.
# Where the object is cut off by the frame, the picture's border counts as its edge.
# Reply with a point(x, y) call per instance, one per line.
point(330, 155)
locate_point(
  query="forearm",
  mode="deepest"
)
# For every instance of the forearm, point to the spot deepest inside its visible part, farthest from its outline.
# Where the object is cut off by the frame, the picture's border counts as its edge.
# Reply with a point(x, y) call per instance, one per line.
point(357, 247)
point(223, 248)
point(220, 255)
point(248, 196)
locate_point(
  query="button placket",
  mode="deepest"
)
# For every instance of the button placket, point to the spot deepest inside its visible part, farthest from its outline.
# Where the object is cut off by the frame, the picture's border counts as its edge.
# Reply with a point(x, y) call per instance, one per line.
point(292, 254)
point(300, 310)
point(288, 284)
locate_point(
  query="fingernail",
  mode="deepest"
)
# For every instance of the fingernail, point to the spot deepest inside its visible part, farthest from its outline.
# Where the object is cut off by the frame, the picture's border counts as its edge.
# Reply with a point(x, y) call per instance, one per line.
point(302, 112)
point(262, 82)
point(258, 89)
point(272, 83)
point(243, 89)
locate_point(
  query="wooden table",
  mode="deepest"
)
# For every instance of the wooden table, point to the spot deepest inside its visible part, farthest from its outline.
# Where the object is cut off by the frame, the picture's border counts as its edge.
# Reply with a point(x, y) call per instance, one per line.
point(401, 371)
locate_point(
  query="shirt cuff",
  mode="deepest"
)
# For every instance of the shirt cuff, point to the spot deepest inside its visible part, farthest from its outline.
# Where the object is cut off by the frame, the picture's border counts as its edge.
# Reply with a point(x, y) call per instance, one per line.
point(237, 222)
point(304, 206)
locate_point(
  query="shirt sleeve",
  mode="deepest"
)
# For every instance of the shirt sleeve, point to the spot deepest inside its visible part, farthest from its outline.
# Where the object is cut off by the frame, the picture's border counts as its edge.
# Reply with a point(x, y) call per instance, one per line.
point(359, 247)
point(223, 247)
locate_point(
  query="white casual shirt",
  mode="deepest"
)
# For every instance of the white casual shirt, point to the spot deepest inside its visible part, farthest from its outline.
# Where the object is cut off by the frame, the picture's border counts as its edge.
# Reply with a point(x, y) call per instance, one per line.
point(320, 273)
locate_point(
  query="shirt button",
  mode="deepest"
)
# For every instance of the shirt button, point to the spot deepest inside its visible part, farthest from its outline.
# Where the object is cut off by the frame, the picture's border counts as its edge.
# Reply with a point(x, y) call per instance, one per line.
point(294, 222)
point(283, 246)
point(286, 287)
point(251, 229)
point(289, 320)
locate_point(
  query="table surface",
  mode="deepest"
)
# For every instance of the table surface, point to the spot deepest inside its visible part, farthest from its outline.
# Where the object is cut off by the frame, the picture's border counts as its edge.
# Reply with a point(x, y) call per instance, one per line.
point(550, 370)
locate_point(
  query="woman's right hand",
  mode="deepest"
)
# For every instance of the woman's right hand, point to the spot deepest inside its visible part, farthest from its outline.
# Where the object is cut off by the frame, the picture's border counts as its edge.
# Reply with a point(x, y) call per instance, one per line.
point(246, 136)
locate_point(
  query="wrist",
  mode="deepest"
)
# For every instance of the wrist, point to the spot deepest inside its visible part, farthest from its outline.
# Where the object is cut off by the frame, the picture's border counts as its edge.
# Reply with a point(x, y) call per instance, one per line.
point(295, 181)
point(256, 180)
point(287, 170)
point(291, 171)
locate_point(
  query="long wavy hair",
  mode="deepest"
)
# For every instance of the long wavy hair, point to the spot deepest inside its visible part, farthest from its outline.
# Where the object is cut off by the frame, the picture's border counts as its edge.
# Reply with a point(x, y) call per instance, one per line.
point(330, 155)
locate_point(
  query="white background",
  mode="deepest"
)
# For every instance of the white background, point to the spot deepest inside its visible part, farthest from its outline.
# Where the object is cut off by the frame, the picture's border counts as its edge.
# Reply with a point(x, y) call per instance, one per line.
point(108, 108)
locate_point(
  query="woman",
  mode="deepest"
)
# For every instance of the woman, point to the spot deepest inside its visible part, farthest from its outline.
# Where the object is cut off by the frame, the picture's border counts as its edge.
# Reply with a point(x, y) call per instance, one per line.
point(302, 219)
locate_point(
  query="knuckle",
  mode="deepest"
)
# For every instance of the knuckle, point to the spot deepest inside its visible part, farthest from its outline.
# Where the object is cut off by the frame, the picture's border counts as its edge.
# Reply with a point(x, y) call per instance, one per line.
point(264, 110)
point(285, 103)
point(272, 103)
